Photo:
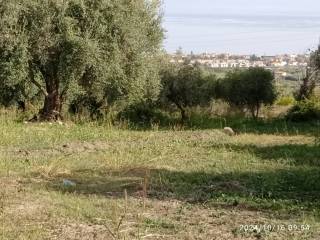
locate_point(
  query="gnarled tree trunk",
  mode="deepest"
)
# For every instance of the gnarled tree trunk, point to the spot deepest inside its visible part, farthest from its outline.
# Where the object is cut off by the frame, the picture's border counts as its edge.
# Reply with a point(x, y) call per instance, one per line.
point(51, 110)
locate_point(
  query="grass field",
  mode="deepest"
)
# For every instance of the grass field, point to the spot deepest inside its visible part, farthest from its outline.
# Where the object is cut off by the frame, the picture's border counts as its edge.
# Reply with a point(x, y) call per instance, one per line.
point(159, 184)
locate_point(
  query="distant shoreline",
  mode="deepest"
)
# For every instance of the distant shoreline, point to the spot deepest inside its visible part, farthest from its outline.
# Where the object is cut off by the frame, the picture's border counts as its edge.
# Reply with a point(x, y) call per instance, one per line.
point(241, 34)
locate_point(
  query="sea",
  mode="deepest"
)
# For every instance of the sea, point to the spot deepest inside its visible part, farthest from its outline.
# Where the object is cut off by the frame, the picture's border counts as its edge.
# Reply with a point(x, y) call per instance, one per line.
point(241, 34)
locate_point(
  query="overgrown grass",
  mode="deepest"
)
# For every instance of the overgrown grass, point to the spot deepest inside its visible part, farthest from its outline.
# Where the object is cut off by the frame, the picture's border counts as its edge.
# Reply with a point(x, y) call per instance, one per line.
point(243, 125)
point(165, 183)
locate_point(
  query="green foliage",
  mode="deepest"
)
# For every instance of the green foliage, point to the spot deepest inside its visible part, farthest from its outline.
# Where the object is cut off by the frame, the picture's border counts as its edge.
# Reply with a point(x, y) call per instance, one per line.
point(184, 86)
point(305, 110)
point(142, 114)
point(315, 59)
point(104, 48)
point(18, 95)
point(285, 101)
point(248, 89)
point(306, 89)
point(87, 104)
point(10, 95)
point(308, 85)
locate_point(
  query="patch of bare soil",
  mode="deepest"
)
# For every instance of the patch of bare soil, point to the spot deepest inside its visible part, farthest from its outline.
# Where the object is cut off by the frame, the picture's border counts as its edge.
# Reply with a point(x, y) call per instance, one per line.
point(65, 149)
point(214, 223)
point(80, 147)
point(21, 214)
point(174, 220)
point(81, 231)
point(167, 219)
point(16, 201)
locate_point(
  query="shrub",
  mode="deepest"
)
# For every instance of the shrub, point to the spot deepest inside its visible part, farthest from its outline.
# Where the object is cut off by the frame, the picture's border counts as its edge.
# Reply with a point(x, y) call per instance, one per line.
point(285, 101)
point(87, 104)
point(305, 110)
point(143, 113)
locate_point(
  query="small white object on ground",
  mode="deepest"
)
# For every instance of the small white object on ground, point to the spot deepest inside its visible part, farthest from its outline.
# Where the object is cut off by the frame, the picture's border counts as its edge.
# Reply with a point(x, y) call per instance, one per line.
point(229, 131)
point(68, 183)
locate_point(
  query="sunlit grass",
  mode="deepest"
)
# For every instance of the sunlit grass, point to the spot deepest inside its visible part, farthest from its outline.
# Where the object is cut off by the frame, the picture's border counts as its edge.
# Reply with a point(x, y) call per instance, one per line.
point(172, 179)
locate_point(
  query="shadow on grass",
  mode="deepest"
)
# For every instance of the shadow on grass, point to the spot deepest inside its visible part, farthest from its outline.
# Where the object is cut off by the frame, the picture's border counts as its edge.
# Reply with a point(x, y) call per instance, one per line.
point(261, 126)
point(290, 154)
point(290, 190)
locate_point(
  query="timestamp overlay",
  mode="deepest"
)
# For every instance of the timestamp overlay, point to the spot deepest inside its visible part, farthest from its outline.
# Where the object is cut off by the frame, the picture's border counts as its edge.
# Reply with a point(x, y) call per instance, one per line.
point(256, 228)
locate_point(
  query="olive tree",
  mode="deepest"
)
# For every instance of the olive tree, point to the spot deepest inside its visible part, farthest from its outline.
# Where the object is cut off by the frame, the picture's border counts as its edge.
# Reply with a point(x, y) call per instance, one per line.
point(315, 60)
point(249, 89)
point(183, 86)
point(68, 47)
point(311, 78)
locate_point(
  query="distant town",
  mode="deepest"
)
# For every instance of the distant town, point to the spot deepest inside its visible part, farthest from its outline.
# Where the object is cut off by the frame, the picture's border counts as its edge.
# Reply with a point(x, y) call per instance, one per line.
point(226, 60)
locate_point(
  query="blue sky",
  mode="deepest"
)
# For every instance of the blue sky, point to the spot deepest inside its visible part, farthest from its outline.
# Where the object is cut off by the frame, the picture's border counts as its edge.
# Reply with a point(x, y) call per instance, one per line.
point(242, 26)
point(242, 6)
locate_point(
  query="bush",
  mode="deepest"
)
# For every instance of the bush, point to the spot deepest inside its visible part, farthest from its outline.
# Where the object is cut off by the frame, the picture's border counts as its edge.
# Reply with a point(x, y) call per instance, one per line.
point(142, 113)
point(291, 78)
point(83, 104)
point(306, 110)
point(285, 101)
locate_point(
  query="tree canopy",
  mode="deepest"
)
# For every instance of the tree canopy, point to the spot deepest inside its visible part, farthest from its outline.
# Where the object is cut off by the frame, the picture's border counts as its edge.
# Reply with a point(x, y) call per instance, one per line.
point(311, 78)
point(102, 48)
point(248, 89)
point(183, 86)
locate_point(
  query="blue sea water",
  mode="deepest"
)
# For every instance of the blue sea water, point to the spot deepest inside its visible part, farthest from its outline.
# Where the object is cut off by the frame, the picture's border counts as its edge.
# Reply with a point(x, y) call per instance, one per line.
point(241, 34)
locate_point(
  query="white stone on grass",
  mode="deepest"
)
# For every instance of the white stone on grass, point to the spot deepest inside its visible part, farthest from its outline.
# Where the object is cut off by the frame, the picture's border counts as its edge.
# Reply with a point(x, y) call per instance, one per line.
point(229, 131)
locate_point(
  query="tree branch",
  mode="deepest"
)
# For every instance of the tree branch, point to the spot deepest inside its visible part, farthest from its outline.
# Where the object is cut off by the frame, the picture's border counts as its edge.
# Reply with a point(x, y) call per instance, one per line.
point(313, 73)
point(64, 91)
point(38, 85)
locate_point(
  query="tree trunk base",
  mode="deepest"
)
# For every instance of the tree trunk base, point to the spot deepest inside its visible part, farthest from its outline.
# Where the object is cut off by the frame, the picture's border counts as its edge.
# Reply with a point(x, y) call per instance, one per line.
point(51, 116)
point(51, 111)
point(54, 116)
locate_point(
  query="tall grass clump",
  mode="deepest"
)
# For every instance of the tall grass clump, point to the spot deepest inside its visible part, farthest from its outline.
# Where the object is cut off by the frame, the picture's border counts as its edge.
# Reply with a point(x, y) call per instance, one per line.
point(285, 101)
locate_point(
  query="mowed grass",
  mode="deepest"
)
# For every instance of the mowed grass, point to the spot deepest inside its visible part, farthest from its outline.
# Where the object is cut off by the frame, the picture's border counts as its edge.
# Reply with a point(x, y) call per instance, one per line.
point(164, 184)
